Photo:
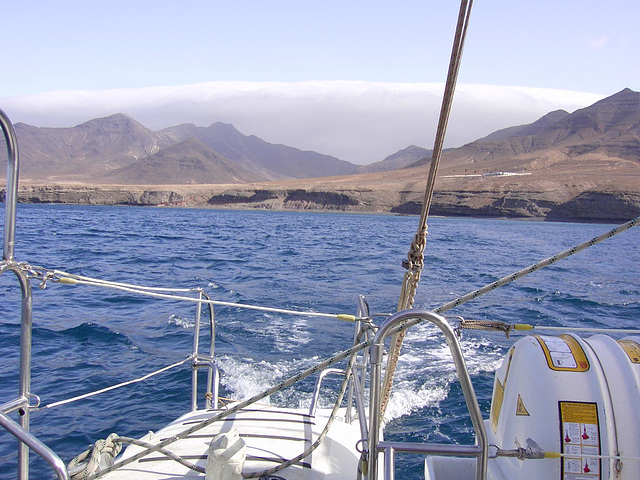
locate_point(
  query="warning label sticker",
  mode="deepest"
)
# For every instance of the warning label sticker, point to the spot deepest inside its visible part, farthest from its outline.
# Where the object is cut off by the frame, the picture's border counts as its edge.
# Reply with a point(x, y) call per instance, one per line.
point(580, 441)
point(563, 353)
point(632, 349)
point(521, 410)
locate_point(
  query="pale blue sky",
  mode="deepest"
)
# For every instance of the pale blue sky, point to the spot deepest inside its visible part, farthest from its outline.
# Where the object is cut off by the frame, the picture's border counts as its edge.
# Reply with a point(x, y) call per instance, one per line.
point(585, 46)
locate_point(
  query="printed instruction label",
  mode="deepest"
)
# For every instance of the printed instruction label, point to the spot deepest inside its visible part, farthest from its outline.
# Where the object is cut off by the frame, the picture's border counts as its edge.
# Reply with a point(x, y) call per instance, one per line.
point(560, 353)
point(580, 441)
point(563, 353)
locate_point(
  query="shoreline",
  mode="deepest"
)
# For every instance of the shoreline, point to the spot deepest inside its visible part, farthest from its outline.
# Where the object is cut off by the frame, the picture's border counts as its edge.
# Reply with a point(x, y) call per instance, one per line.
point(594, 206)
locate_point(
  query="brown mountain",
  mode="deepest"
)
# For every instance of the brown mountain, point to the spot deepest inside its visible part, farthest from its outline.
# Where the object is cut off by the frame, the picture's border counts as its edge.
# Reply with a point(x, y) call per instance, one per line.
point(605, 134)
point(401, 159)
point(187, 162)
point(90, 151)
point(540, 125)
point(86, 150)
point(270, 160)
point(583, 166)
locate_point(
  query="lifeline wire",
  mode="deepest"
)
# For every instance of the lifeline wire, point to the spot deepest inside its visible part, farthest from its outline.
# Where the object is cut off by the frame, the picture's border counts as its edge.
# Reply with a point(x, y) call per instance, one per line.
point(113, 387)
point(537, 266)
point(256, 398)
point(443, 308)
point(70, 279)
point(525, 271)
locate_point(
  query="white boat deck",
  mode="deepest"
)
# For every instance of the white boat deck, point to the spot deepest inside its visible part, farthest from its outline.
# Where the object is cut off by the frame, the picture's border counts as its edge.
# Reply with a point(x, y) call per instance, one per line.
point(272, 435)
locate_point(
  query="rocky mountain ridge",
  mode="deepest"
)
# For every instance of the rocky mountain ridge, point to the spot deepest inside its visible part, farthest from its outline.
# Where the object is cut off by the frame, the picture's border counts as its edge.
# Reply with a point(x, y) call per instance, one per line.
point(607, 130)
point(106, 150)
point(583, 166)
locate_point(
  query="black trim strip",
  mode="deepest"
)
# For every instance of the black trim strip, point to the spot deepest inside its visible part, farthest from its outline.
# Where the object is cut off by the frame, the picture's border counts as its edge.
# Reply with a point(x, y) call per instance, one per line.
point(250, 458)
point(249, 435)
point(281, 412)
point(242, 419)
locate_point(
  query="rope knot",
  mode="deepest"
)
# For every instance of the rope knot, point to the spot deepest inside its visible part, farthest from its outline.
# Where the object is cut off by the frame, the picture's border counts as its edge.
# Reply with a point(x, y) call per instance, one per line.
point(97, 457)
point(415, 256)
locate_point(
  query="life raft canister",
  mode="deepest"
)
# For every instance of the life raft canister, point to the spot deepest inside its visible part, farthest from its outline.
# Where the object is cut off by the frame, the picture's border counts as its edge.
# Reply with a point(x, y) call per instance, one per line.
point(577, 397)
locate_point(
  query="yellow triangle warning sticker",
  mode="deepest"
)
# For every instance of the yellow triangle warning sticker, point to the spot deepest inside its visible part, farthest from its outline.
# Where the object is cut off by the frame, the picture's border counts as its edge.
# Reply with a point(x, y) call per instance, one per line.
point(520, 408)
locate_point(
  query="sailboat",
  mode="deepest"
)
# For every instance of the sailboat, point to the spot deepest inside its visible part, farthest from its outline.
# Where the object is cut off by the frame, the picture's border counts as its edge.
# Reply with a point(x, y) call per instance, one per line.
point(563, 407)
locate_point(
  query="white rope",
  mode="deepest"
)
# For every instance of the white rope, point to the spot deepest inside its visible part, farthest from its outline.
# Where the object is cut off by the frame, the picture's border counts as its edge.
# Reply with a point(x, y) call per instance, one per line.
point(586, 329)
point(239, 406)
point(113, 387)
point(97, 457)
point(107, 283)
point(346, 353)
point(73, 279)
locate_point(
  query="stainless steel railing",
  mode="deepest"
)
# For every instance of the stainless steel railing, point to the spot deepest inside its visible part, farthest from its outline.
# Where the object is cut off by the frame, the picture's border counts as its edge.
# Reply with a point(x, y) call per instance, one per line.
point(12, 186)
point(21, 403)
point(206, 360)
point(479, 450)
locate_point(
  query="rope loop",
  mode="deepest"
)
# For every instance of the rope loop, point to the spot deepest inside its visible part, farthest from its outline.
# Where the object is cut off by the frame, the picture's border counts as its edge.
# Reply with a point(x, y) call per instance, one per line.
point(100, 455)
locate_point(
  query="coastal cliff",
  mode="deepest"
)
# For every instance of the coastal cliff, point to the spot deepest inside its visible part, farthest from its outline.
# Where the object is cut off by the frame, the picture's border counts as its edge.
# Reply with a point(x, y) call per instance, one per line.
point(553, 205)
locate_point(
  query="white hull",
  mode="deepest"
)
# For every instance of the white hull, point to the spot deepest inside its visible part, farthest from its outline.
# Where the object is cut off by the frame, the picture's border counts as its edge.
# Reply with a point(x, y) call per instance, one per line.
point(271, 435)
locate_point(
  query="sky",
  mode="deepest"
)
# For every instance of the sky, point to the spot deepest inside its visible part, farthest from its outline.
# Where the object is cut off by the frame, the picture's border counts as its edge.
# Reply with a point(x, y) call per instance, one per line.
point(355, 79)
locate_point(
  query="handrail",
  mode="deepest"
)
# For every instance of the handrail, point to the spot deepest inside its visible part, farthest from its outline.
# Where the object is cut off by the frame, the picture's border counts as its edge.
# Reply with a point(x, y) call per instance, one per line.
point(21, 431)
point(12, 187)
point(36, 445)
point(377, 352)
point(204, 360)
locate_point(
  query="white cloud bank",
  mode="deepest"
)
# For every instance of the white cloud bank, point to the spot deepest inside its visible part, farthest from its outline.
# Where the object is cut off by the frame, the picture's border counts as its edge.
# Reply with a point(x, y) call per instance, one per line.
point(361, 122)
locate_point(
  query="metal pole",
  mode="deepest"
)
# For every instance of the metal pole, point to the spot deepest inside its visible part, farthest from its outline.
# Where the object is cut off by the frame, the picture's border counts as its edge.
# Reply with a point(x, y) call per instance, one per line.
point(196, 347)
point(24, 388)
point(12, 186)
point(40, 448)
point(471, 400)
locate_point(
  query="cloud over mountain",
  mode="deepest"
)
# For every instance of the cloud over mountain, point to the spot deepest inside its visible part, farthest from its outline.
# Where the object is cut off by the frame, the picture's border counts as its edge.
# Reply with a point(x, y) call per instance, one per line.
point(361, 122)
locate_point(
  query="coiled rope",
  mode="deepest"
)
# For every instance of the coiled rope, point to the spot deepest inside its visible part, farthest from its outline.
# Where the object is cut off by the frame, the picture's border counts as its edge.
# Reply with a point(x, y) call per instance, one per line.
point(102, 454)
point(99, 456)
point(415, 258)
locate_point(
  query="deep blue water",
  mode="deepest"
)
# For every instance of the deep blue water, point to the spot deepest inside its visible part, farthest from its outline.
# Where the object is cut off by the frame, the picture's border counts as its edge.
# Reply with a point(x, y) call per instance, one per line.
point(87, 338)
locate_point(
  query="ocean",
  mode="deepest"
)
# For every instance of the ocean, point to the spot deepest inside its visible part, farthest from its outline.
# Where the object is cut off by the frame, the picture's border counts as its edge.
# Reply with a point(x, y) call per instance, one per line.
point(86, 338)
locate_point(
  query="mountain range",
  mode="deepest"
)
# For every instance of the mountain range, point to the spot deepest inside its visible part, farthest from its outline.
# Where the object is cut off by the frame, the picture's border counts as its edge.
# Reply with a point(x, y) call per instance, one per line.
point(607, 131)
point(560, 166)
point(119, 150)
